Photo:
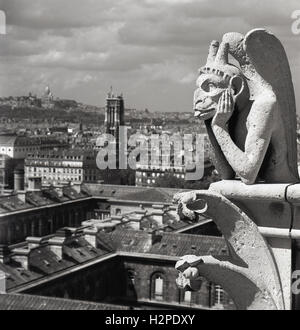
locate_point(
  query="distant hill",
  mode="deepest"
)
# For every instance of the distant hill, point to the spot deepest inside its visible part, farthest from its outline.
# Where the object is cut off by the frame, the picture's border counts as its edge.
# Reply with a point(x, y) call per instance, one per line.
point(42, 109)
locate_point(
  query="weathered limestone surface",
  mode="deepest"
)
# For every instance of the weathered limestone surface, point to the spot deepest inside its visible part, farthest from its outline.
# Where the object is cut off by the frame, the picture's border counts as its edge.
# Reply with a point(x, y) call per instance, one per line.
point(265, 204)
point(270, 209)
point(250, 114)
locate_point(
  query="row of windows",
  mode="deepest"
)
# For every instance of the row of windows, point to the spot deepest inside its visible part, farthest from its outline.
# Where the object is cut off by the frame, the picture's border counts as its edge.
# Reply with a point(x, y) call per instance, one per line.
point(65, 178)
point(219, 297)
point(20, 149)
point(51, 163)
point(62, 157)
point(55, 170)
point(90, 171)
point(153, 168)
point(26, 149)
point(152, 181)
point(90, 178)
point(4, 149)
point(161, 174)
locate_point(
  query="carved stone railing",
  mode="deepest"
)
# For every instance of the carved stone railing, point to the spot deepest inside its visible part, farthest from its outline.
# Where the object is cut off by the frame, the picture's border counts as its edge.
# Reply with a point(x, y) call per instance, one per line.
point(259, 223)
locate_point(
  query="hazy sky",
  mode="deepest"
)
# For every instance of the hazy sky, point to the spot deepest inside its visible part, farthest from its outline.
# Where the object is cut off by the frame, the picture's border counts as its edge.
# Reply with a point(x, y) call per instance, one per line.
point(148, 49)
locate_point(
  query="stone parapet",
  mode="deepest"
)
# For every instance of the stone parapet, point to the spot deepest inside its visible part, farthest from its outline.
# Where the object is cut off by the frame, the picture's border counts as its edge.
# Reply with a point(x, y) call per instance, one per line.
point(266, 204)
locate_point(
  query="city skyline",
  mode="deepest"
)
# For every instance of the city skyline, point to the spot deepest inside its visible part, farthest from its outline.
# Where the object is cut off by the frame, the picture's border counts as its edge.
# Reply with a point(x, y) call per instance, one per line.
point(148, 50)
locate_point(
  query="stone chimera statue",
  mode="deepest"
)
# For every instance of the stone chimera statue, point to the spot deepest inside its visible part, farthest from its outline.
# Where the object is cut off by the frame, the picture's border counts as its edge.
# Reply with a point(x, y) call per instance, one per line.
point(248, 105)
point(249, 108)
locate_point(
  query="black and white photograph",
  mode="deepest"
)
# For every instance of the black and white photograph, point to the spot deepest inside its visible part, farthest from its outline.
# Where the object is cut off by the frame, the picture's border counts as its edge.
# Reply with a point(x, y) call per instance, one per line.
point(149, 158)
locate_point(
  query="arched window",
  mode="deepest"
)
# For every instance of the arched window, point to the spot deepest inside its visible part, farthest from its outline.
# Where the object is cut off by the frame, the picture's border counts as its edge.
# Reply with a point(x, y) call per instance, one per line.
point(187, 297)
point(157, 286)
point(219, 297)
point(131, 276)
point(130, 283)
point(118, 212)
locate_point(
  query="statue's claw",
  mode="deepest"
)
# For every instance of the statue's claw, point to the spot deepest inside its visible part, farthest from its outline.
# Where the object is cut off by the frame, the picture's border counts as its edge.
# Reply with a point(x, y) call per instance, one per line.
point(244, 266)
point(182, 200)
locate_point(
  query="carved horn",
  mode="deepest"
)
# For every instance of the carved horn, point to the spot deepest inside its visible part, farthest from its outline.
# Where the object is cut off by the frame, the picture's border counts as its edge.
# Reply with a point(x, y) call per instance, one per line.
point(213, 50)
point(222, 56)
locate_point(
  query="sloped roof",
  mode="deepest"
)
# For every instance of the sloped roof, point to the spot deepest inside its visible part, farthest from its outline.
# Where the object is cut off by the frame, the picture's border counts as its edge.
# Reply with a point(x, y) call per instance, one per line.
point(128, 240)
point(155, 195)
point(8, 140)
point(29, 302)
point(132, 193)
point(12, 203)
point(182, 244)
point(39, 198)
point(77, 251)
point(43, 262)
point(169, 244)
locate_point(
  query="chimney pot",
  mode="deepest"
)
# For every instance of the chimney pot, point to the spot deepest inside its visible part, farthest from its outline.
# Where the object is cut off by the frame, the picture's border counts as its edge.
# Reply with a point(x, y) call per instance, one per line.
point(22, 256)
point(59, 191)
point(18, 179)
point(90, 235)
point(34, 242)
point(77, 187)
point(21, 194)
point(34, 184)
point(56, 246)
point(156, 236)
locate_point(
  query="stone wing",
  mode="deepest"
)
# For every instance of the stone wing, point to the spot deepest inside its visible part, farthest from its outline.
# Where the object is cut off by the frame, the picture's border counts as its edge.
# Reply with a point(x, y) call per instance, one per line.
point(270, 61)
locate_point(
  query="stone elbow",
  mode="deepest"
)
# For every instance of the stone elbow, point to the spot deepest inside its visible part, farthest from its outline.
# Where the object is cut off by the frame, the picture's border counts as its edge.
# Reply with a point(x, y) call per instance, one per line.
point(248, 177)
point(248, 181)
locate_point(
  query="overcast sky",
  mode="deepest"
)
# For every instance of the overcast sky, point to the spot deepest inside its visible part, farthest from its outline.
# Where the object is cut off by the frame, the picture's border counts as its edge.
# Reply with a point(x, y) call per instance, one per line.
point(148, 49)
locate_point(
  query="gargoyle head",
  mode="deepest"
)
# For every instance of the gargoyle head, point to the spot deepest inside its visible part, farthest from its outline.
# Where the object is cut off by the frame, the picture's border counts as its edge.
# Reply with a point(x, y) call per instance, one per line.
point(214, 78)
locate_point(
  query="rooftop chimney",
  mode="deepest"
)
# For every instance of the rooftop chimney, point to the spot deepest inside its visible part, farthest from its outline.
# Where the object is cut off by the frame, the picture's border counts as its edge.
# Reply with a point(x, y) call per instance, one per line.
point(56, 246)
point(90, 235)
point(18, 179)
point(34, 242)
point(59, 191)
point(4, 254)
point(34, 184)
point(21, 195)
point(76, 187)
point(158, 214)
point(22, 256)
point(116, 218)
point(56, 243)
point(156, 236)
